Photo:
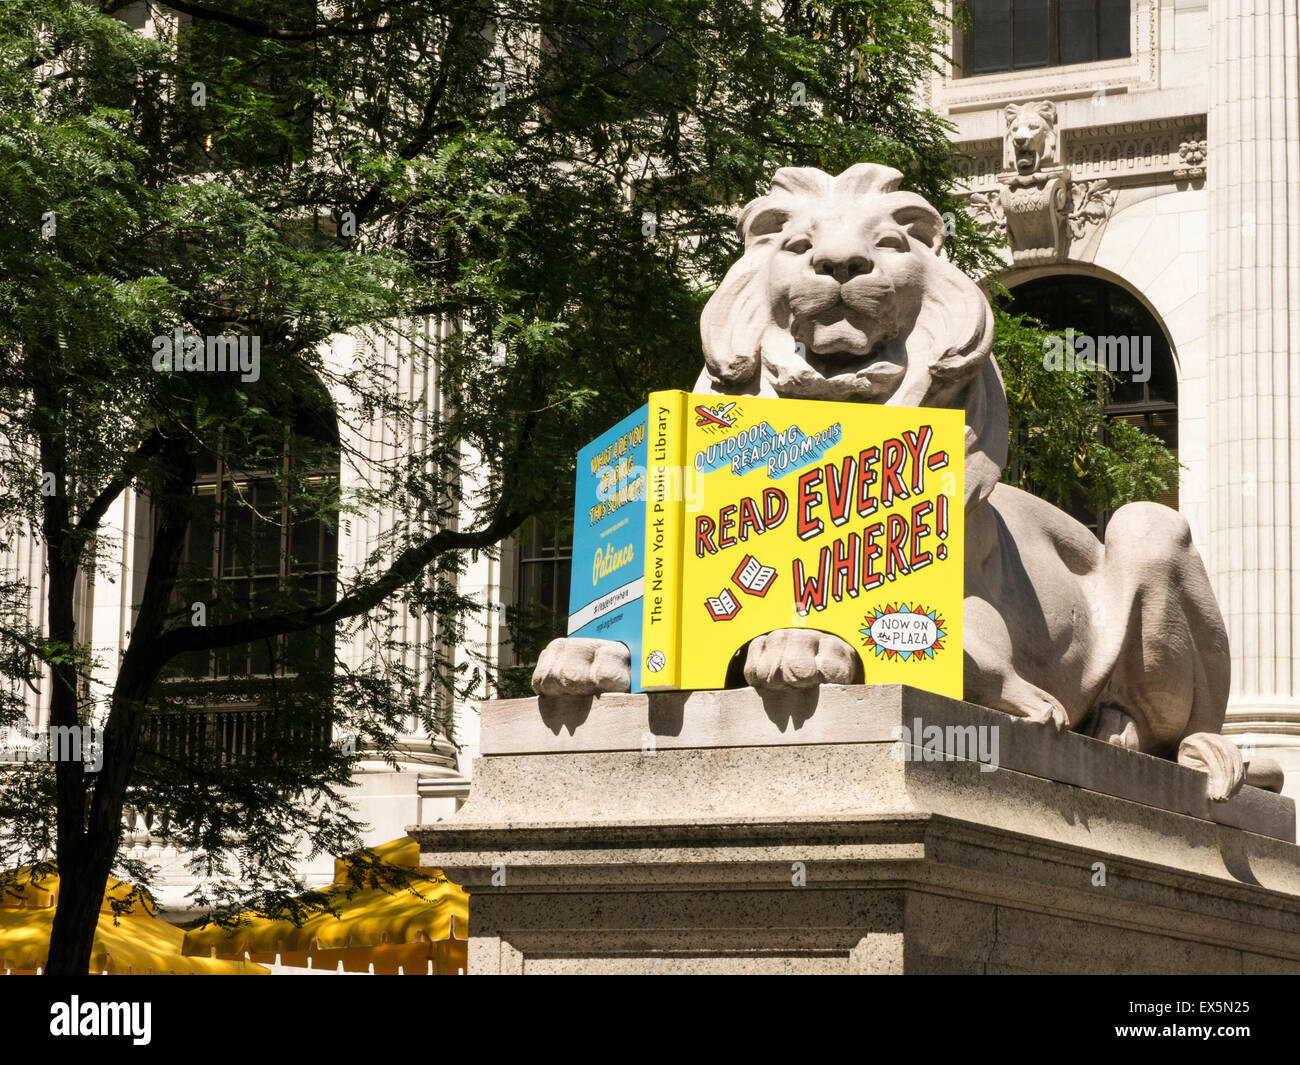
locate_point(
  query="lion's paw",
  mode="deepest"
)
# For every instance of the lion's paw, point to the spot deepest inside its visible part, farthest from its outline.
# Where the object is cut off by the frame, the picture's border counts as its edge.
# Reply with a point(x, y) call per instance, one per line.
point(583, 667)
point(800, 658)
point(1030, 702)
point(1218, 758)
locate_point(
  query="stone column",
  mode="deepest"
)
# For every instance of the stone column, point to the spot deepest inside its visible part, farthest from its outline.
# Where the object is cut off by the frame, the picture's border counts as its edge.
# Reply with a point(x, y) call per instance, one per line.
point(1254, 364)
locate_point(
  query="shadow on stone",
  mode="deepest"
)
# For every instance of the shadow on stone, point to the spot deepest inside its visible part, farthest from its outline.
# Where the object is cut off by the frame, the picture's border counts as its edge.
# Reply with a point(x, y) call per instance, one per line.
point(1235, 859)
point(787, 707)
point(667, 713)
point(564, 711)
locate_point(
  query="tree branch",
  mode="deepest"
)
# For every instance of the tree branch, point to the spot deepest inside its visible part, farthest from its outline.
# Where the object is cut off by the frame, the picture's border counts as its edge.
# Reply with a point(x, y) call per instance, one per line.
point(94, 514)
point(425, 132)
point(405, 568)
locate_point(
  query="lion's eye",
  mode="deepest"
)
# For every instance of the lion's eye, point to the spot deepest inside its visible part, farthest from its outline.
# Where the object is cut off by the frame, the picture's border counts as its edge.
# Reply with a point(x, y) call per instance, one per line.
point(894, 241)
point(798, 245)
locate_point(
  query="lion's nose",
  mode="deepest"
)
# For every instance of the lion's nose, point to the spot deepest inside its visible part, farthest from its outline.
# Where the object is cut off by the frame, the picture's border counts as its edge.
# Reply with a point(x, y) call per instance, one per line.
point(842, 267)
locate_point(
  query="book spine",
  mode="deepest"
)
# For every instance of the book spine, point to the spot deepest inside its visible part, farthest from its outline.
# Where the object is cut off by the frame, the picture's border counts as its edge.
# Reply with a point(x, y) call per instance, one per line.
point(661, 650)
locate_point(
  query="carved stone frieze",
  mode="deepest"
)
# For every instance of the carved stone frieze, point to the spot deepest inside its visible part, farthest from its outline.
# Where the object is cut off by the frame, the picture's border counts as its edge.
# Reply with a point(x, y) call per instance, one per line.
point(1090, 204)
point(1192, 154)
point(1035, 207)
point(1146, 150)
point(1040, 207)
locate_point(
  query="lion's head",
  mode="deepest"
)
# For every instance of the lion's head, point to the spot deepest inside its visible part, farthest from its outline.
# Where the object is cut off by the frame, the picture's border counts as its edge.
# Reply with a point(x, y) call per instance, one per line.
point(843, 293)
point(1030, 141)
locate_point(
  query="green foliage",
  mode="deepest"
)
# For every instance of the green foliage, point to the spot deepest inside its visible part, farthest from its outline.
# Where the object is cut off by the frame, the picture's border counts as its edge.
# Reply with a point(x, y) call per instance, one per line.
point(1063, 448)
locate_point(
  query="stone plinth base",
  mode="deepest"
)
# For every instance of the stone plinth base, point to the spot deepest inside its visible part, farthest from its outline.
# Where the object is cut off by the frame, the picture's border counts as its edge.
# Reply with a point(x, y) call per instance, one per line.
point(729, 832)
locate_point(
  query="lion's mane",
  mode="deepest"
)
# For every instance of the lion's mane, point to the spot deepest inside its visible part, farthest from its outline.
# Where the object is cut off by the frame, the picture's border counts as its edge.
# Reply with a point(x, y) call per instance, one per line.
point(948, 345)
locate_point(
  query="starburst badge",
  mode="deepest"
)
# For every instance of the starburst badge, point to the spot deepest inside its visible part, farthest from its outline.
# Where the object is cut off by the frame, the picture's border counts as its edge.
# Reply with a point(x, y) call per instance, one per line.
point(908, 632)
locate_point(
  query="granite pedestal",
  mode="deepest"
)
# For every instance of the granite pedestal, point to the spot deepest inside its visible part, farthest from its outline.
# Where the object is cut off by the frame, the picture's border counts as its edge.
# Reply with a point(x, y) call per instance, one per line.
point(866, 829)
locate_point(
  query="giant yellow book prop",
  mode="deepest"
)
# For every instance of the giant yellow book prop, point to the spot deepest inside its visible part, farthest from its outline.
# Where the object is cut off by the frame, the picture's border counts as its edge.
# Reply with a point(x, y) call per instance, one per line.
point(710, 520)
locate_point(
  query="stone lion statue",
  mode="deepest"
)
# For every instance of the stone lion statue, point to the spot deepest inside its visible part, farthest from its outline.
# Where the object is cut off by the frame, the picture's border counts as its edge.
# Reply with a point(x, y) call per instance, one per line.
point(1030, 141)
point(843, 293)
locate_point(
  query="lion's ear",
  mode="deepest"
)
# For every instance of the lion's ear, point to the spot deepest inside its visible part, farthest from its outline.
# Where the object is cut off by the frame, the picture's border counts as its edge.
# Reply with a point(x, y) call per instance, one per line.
point(767, 219)
point(1012, 110)
point(920, 220)
point(791, 185)
point(1047, 109)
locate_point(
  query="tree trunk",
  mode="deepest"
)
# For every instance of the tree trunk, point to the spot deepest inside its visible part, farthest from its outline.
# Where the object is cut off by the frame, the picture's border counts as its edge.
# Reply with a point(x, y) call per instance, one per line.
point(72, 937)
point(88, 838)
point(81, 890)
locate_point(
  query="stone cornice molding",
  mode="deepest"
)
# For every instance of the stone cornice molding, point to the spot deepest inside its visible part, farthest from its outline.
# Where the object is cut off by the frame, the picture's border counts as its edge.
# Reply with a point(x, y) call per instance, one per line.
point(1145, 152)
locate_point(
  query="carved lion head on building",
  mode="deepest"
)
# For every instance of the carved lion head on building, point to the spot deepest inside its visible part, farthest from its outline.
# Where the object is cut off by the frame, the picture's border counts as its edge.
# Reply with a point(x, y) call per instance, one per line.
point(843, 293)
point(1030, 141)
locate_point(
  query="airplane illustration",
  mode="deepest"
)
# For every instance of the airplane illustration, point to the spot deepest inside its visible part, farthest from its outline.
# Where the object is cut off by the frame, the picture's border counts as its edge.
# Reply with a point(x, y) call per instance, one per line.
point(715, 417)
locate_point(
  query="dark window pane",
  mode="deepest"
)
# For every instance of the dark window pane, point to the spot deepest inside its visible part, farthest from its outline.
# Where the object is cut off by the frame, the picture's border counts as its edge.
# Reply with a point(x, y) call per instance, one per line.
point(235, 529)
point(1030, 34)
point(1125, 358)
point(1020, 34)
point(325, 634)
point(562, 577)
point(1163, 386)
point(1084, 308)
point(990, 36)
point(194, 664)
point(545, 550)
point(1114, 29)
point(252, 506)
point(198, 538)
point(330, 549)
point(264, 594)
point(1124, 314)
point(311, 453)
point(1079, 306)
point(205, 463)
point(546, 584)
point(1164, 424)
point(306, 545)
point(1077, 30)
point(1038, 302)
point(266, 527)
point(1126, 390)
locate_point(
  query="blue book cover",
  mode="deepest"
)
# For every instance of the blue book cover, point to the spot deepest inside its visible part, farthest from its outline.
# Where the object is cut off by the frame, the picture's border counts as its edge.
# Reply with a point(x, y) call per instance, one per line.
point(609, 527)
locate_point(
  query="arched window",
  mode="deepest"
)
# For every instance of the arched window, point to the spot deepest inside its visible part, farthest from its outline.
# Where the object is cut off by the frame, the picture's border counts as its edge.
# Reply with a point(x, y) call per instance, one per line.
point(1126, 335)
point(262, 538)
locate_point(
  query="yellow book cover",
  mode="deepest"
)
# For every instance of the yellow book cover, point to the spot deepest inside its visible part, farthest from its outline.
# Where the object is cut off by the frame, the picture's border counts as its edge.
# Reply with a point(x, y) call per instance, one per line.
point(712, 520)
